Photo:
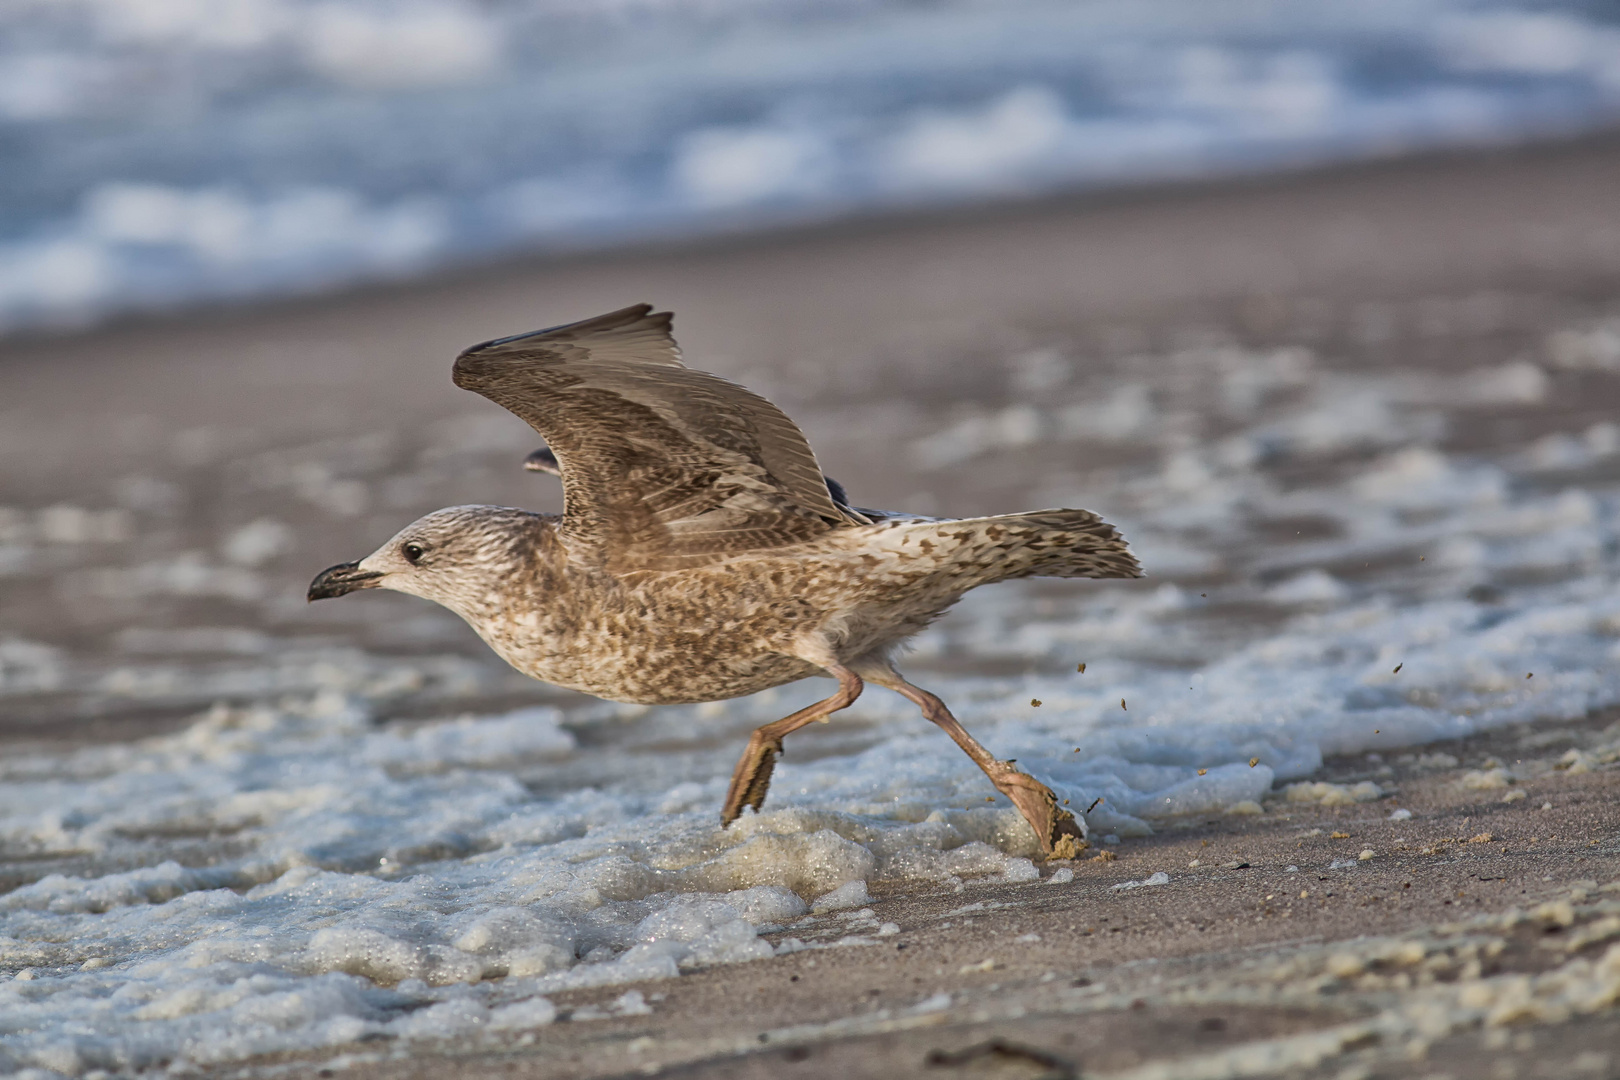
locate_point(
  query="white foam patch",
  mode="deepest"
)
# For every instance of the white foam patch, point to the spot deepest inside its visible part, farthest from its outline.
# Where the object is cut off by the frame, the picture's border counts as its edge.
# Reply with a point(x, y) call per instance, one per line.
point(399, 883)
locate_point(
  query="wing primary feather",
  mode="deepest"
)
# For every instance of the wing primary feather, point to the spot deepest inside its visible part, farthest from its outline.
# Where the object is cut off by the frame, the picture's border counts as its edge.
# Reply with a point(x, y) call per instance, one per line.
point(634, 333)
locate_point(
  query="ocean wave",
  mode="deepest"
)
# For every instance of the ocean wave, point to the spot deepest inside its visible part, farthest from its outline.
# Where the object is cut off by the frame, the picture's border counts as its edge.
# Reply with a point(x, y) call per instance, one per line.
point(168, 152)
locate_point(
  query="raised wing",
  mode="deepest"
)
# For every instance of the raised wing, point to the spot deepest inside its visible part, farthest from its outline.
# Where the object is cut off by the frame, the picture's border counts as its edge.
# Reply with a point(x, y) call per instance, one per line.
point(662, 466)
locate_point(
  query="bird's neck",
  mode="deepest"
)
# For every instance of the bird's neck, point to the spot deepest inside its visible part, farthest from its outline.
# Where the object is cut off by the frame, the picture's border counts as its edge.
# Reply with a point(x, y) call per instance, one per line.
point(527, 608)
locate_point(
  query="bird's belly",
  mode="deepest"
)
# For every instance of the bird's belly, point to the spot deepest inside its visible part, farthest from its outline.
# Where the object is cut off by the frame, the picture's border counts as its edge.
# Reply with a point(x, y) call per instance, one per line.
point(667, 676)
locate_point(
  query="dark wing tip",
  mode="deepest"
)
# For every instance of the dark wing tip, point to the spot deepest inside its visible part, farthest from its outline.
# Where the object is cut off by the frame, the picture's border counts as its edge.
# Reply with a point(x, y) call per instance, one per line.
point(836, 490)
point(477, 360)
point(543, 460)
point(662, 320)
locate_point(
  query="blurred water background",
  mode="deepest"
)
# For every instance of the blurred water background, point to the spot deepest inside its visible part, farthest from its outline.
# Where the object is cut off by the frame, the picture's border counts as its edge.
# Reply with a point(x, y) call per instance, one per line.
point(170, 152)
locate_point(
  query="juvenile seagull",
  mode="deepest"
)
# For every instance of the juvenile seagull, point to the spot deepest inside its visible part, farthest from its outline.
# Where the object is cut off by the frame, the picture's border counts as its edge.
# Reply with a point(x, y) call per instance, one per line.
point(702, 555)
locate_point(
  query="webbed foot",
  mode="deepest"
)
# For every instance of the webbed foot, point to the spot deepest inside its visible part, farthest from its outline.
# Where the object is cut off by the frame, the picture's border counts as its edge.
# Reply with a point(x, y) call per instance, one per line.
point(752, 777)
point(1060, 835)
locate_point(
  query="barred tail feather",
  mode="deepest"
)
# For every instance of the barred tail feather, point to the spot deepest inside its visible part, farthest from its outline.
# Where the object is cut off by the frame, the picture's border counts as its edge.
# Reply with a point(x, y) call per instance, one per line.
point(1039, 543)
point(1071, 544)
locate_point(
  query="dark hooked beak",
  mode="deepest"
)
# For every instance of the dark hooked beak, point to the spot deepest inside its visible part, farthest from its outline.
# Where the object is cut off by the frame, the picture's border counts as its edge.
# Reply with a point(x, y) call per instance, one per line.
point(340, 579)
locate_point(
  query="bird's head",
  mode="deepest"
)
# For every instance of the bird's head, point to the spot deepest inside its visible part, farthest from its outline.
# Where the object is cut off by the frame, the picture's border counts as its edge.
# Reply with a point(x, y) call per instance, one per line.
point(464, 557)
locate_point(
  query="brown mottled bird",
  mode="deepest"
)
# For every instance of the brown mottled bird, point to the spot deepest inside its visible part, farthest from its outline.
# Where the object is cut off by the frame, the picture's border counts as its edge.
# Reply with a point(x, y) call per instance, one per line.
point(702, 555)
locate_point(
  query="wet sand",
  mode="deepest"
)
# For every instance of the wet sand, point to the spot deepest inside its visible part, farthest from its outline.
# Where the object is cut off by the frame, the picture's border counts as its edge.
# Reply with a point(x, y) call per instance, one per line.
point(865, 333)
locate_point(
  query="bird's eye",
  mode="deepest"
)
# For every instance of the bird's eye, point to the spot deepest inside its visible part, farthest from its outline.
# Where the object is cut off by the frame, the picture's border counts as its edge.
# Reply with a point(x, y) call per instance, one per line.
point(413, 553)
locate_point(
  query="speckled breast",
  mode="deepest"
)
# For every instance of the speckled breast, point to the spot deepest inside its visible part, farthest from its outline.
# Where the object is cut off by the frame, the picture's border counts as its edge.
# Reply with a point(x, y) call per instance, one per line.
point(665, 679)
point(722, 631)
point(693, 636)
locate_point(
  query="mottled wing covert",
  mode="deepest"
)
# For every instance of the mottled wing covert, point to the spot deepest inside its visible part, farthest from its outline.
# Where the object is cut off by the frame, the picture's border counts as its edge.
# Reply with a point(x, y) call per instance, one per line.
point(662, 466)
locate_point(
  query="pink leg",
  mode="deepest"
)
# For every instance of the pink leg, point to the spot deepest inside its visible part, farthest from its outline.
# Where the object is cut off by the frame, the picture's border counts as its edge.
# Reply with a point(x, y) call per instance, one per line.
point(1055, 827)
point(752, 776)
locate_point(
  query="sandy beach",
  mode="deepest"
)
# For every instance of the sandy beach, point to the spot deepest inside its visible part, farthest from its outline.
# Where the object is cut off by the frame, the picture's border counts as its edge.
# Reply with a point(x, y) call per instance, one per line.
point(1421, 906)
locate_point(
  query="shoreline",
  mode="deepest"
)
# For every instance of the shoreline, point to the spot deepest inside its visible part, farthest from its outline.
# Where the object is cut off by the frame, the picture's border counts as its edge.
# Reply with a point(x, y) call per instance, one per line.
point(887, 222)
